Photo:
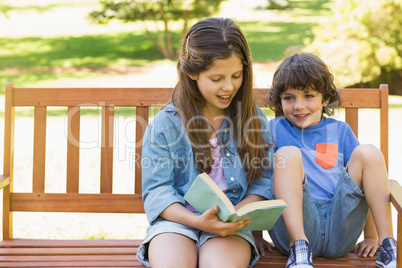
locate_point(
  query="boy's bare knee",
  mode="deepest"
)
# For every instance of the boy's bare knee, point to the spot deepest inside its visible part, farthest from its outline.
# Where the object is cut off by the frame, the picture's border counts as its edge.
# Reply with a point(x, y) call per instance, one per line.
point(368, 152)
point(288, 153)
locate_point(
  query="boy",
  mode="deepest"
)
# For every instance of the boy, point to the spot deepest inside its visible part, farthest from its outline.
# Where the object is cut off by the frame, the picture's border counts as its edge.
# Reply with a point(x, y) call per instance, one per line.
point(329, 181)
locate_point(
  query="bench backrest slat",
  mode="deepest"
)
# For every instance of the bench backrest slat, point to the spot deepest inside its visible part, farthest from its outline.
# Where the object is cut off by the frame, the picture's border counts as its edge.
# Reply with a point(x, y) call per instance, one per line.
point(352, 118)
point(107, 149)
point(73, 202)
point(108, 99)
point(142, 115)
point(73, 149)
point(39, 150)
point(91, 96)
point(360, 98)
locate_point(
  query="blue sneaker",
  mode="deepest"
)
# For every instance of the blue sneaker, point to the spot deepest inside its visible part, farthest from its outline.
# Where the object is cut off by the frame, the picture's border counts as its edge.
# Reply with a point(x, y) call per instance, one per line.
point(386, 254)
point(300, 255)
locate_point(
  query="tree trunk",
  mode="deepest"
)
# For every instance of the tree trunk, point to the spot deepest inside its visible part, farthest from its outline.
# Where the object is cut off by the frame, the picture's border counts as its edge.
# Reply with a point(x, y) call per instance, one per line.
point(169, 40)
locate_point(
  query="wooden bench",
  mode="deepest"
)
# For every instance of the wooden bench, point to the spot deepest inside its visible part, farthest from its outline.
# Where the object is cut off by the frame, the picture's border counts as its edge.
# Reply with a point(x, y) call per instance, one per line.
point(22, 252)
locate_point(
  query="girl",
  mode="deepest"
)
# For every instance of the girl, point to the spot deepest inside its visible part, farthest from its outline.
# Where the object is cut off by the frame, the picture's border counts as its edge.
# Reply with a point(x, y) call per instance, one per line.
point(212, 125)
point(329, 181)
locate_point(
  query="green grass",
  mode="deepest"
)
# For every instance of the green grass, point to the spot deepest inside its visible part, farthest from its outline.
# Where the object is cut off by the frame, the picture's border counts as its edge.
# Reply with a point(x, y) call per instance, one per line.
point(268, 40)
point(36, 57)
point(34, 60)
point(392, 106)
point(30, 61)
point(311, 7)
point(33, 79)
point(122, 49)
point(43, 7)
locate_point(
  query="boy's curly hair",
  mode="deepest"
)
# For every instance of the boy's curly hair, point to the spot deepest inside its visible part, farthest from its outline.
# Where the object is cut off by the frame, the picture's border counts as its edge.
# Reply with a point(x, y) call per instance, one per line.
point(303, 71)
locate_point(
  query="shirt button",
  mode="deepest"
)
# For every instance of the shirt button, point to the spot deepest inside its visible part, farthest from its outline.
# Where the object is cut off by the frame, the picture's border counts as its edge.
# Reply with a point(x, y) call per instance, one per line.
point(227, 154)
point(232, 179)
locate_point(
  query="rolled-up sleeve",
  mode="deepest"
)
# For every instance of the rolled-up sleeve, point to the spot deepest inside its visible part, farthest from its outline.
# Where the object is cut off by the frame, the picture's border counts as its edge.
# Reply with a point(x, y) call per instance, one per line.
point(157, 175)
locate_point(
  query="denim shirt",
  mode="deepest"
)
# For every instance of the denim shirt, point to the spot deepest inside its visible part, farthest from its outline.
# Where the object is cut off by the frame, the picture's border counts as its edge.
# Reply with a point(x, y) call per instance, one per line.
point(168, 167)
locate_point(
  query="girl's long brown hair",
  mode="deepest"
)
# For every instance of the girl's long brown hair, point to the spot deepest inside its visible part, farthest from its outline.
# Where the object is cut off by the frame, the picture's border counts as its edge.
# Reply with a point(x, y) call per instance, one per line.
point(207, 40)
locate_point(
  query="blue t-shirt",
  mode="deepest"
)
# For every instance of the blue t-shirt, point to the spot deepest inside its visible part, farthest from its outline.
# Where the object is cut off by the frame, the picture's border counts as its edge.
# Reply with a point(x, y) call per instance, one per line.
point(326, 149)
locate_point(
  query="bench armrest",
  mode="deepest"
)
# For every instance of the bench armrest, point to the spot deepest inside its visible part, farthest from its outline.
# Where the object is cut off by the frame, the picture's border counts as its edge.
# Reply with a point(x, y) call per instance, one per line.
point(4, 181)
point(396, 200)
point(396, 195)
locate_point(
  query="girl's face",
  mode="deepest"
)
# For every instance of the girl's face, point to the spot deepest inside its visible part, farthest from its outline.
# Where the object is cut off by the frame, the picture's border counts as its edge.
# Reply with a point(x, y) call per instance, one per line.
point(303, 109)
point(219, 84)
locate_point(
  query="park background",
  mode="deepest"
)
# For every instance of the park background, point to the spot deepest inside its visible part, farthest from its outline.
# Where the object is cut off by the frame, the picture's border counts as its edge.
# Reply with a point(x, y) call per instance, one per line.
point(53, 43)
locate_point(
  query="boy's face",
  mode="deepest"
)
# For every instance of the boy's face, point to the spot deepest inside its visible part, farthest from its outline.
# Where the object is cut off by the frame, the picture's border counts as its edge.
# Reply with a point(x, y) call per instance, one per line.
point(303, 109)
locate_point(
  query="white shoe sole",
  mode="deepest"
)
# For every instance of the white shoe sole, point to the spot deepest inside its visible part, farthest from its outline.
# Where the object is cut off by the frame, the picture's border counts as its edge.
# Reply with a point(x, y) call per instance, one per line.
point(391, 265)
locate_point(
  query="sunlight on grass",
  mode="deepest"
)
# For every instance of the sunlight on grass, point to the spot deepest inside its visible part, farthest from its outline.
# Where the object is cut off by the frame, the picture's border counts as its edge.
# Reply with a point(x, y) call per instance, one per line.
point(35, 79)
point(268, 40)
point(310, 7)
point(45, 6)
point(40, 60)
point(89, 50)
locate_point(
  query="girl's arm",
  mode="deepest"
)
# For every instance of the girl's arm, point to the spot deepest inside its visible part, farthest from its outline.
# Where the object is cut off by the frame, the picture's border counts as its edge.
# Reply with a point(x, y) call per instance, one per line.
point(208, 221)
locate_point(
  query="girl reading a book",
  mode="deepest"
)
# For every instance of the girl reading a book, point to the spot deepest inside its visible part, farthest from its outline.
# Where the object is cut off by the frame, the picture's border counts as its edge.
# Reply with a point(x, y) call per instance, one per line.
point(212, 125)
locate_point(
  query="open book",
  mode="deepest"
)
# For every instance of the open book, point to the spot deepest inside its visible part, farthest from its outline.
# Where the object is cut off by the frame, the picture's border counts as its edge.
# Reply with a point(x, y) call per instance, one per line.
point(204, 194)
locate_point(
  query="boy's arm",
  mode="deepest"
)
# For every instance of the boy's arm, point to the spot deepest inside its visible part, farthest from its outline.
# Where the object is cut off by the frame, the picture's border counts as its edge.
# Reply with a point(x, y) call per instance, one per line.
point(261, 243)
point(368, 247)
point(369, 229)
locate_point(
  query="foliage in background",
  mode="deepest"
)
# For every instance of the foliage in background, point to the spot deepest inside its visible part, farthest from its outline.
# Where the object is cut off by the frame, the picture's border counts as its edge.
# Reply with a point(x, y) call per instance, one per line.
point(279, 4)
point(362, 41)
point(31, 61)
point(161, 13)
point(4, 9)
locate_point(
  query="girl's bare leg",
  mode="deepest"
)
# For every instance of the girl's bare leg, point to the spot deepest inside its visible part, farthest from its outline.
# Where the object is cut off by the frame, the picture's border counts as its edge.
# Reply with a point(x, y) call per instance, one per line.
point(170, 250)
point(229, 251)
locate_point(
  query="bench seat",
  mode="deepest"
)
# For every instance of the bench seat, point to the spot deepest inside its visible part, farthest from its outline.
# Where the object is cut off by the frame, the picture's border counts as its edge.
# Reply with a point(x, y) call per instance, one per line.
point(119, 253)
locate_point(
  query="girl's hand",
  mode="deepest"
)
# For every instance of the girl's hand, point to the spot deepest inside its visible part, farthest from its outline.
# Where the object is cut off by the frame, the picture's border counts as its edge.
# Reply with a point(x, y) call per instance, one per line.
point(261, 244)
point(367, 247)
point(209, 222)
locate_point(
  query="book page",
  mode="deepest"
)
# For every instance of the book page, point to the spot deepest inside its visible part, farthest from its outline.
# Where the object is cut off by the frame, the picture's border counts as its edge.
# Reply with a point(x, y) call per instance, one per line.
point(219, 192)
point(260, 204)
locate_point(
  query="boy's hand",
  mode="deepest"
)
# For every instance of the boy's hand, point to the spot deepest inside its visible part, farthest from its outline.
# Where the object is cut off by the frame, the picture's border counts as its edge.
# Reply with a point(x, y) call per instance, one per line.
point(260, 243)
point(366, 248)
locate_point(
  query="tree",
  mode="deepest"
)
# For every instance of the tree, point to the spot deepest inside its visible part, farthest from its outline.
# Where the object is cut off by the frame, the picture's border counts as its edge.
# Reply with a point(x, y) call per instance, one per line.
point(279, 4)
point(160, 13)
point(4, 9)
point(362, 41)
